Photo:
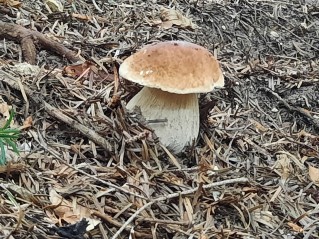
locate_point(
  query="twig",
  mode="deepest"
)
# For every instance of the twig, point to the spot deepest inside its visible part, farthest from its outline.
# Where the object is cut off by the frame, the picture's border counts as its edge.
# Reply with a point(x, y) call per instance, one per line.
point(173, 195)
point(207, 186)
point(29, 38)
point(159, 221)
point(119, 231)
point(299, 110)
point(111, 220)
point(58, 114)
point(91, 134)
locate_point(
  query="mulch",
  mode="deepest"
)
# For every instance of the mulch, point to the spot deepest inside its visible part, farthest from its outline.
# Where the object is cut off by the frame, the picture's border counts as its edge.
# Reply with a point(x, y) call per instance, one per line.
point(88, 168)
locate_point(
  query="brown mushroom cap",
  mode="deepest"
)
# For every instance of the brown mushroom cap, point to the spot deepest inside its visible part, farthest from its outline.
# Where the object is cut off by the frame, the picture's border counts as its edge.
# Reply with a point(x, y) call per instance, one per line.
point(174, 66)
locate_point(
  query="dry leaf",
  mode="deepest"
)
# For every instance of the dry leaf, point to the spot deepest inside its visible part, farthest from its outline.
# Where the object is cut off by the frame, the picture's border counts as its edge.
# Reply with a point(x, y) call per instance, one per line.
point(295, 227)
point(172, 17)
point(70, 211)
point(22, 192)
point(82, 17)
point(314, 175)
point(188, 216)
point(259, 127)
point(266, 218)
point(84, 70)
point(243, 145)
point(27, 123)
point(77, 70)
point(303, 133)
point(283, 166)
point(54, 5)
point(5, 112)
point(11, 3)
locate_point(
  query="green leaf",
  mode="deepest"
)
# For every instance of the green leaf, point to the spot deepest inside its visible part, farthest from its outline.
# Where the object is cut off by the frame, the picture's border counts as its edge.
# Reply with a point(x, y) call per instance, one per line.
point(10, 131)
point(12, 145)
point(3, 154)
point(8, 136)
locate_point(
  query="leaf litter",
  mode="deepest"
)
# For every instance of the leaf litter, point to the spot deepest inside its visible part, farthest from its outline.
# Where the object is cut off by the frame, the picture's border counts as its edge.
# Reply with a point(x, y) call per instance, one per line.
point(253, 173)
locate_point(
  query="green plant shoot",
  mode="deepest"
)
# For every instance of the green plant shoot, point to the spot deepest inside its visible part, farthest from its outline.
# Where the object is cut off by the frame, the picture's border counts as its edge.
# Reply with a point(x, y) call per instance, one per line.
point(8, 137)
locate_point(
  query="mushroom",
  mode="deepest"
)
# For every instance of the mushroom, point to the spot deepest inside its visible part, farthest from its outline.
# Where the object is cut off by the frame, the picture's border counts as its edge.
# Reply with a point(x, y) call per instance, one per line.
point(172, 73)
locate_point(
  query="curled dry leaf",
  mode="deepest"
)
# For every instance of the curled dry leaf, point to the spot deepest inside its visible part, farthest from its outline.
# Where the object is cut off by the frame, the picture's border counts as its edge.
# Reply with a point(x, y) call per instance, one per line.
point(295, 227)
point(11, 3)
point(5, 110)
point(314, 175)
point(54, 5)
point(27, 123)
point(283, 166)
point(259, 127)
point(5, 113)
point(266, 218)
point(172, 17)
point(84, 70)
point(70, 211)
point(305, 134)
point(77, 70)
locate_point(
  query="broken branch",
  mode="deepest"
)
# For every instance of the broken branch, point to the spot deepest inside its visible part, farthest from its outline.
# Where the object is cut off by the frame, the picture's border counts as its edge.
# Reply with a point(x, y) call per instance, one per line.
point(30, 38)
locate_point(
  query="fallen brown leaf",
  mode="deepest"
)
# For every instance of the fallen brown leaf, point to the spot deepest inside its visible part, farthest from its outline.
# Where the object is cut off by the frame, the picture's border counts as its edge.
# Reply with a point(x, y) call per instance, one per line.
point(314, 175)
point(54, 5)
point(295, 227)
point(172, 17)
point(5, 113)
point(27, 123)
point(70, 211)
point(84, 70)
point(259, 127)
point(11, 3)
point(5, 110)
point(82, 17)
point(283, 166)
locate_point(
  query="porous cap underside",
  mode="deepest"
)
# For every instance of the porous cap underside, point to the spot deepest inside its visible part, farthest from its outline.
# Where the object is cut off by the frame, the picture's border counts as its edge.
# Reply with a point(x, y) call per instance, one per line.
point(174, 66)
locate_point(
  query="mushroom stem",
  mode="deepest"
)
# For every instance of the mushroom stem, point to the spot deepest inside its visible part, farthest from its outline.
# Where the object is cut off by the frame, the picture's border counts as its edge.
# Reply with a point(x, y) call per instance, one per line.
point(174, 117)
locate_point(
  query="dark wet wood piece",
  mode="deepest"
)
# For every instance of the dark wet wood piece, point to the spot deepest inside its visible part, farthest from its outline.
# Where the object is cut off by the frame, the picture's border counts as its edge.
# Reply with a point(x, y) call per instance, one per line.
point(30, 38)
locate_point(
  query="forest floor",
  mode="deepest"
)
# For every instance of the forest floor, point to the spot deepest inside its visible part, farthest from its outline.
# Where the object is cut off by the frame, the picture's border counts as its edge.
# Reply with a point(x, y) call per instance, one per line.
point(89, 169)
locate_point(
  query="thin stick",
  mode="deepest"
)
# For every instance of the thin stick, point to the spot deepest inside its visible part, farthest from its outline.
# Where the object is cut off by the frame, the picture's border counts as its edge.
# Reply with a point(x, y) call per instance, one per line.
point(58, 114)
point(160, 221)
point(300, 110)
point(119, 231)
point(29, 38)
point(173, 195)
point(207, 186)
point(91, 134)
point(111, 220)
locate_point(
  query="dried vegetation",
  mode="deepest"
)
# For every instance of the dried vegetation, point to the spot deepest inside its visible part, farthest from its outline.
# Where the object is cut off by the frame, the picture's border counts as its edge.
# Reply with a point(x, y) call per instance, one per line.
point(254, 171)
